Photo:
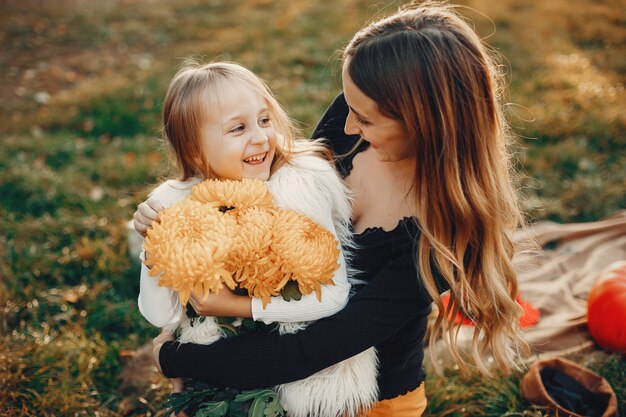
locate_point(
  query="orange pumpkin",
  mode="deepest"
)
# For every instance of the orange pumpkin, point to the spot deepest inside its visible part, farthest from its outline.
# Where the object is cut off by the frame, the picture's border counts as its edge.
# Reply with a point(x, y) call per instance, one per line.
point(606, 308)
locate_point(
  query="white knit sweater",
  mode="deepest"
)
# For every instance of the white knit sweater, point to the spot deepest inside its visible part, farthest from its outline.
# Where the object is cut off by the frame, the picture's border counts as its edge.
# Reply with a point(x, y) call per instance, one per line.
point(308, 185)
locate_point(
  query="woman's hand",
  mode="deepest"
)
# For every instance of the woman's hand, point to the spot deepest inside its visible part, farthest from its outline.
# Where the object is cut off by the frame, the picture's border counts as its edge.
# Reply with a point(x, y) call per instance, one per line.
point(147, 212)
point(223, 304)
point(157, 343)
point(177, 383)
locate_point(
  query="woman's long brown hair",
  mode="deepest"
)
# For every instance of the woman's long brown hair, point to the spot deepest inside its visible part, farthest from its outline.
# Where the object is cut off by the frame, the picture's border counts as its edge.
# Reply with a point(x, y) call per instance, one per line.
point(426, 67)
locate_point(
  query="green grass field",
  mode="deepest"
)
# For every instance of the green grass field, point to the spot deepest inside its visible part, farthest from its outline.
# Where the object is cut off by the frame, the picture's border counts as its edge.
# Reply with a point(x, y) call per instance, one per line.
point(81, 88)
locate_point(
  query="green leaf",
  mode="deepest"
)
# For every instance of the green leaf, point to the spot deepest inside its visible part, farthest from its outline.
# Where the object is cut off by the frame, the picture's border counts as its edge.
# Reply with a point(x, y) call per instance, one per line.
point(265, 403)
point(212, 409)
point(191, 313)
point(257, 409)
point(226, 324)
point(193, 396)
point(275, 409)
point(189, 399)
point(291, 291)
point(252, 394)
point(238, 409)
point(228, 330)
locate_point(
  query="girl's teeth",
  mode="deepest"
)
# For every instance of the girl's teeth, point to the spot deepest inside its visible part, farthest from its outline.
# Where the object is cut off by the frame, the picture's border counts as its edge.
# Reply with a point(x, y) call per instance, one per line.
point(255, 158)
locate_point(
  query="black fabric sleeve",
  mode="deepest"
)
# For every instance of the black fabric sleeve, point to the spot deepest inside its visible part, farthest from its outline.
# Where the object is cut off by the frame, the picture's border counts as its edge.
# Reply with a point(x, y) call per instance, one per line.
point(331, 129)
point(377, 312)
point(333, 121)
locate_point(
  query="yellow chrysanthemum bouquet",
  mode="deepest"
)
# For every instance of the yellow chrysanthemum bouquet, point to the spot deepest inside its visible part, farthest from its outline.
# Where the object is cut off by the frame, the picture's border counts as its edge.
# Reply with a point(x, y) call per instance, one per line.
point(229, 233)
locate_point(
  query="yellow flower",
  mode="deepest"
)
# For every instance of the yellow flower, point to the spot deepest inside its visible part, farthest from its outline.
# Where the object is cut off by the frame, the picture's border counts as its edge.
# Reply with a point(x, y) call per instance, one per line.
point(254, 235)
point(262, 277)
point(229, 233)
point(235, 196)
point(307, 253)
point(252, 259)
point(189, 247)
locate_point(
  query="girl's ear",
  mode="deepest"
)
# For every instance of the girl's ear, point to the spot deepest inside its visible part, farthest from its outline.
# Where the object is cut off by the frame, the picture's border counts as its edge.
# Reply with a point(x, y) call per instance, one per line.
point(199, 159)
point(202, 167)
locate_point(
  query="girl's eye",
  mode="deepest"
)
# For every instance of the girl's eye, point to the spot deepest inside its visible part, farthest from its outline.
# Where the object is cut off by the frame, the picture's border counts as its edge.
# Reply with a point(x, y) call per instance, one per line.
point(264, 121)
point(236, 129)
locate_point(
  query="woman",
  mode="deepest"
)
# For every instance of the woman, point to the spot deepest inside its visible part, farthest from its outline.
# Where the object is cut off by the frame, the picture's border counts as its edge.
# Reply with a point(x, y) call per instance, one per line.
point(434, 209)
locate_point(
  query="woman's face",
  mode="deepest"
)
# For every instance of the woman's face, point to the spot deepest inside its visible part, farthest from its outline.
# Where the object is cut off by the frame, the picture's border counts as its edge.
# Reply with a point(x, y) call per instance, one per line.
point(388, 137)
point(239, 140)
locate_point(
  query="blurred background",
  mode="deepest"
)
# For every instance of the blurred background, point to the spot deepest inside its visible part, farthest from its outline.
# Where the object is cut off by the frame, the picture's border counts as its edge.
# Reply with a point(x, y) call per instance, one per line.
point(81, 87)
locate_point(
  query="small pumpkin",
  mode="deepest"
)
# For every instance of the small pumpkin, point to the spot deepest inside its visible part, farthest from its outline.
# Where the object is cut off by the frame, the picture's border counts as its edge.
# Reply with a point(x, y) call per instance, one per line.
point(606, 308)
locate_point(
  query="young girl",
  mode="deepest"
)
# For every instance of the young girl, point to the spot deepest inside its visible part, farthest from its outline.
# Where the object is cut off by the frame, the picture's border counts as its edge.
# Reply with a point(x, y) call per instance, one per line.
point(434, 208)
point(221, 121)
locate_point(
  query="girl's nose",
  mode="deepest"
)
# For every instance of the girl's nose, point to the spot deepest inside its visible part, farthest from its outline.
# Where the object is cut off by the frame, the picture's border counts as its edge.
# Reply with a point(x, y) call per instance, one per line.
point(259, 137)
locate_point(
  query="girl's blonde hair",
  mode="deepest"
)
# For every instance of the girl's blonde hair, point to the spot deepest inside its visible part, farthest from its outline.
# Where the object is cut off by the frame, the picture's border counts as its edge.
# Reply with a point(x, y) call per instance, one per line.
point(193, 92)
point(427, 68)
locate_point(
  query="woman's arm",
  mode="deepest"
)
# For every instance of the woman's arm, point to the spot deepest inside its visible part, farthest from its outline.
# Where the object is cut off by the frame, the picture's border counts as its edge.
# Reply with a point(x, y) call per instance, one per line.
point(385, 305)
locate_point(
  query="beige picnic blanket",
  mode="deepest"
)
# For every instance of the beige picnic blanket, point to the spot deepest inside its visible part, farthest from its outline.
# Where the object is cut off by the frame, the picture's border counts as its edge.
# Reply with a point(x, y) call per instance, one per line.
point(558, 277)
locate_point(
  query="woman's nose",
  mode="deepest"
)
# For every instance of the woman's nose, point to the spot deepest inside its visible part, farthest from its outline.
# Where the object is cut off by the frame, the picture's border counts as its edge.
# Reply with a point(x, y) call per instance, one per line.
point(351, 128)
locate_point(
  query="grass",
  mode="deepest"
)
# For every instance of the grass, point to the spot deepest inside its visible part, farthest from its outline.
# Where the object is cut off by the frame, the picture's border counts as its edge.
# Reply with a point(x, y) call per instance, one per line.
point(450, 395)
point(81, 92)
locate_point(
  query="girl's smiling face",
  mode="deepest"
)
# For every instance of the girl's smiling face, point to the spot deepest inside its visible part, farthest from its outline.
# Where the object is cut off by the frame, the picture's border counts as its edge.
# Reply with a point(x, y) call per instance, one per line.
point(238, 137)
point(387, 136)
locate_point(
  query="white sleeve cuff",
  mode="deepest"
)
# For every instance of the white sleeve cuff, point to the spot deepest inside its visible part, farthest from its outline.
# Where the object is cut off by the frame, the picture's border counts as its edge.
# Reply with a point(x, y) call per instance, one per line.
point(159, 305)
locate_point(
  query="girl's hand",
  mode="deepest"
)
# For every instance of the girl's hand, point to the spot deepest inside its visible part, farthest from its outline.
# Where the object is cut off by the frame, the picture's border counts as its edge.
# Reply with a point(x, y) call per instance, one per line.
point(147, 212)
point(223, 304)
